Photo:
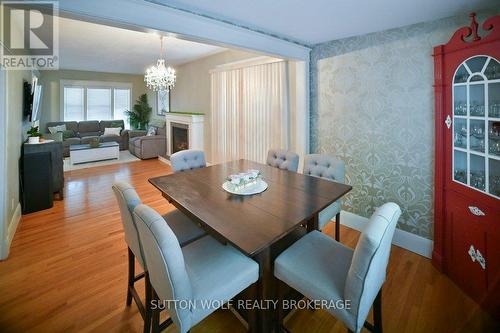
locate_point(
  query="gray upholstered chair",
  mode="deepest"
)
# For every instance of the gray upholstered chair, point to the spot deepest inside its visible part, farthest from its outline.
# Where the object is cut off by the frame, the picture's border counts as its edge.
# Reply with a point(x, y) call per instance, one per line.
point(283, 159)
point(201, 272)
point(181, 225)
point(187, 160)
point(337, 273)
point(329, 168)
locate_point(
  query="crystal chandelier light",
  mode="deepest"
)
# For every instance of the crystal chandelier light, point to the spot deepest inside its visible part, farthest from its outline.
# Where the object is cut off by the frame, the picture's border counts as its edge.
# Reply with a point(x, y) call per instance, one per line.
point(160, 77)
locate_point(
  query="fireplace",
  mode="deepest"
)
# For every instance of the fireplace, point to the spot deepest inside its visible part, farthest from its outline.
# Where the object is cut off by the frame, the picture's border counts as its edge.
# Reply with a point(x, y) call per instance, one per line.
point(180, 140)
point(184, 131)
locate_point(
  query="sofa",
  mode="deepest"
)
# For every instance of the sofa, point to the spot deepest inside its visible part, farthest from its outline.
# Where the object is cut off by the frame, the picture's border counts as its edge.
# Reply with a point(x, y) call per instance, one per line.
point(146, 147)
point(83, 132)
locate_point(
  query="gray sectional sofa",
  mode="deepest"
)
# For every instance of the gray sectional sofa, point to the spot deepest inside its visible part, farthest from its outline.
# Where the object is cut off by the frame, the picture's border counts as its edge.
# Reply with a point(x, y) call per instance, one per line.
point(146, 147)
point(83, 132)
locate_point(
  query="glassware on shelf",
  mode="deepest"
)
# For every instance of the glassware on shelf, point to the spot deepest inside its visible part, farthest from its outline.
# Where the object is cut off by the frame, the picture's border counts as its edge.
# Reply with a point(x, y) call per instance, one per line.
point(494, 99)
point(494, 138)
point(476, 125)
point(476, 109)
point(477, 174)
point(477, 135)
point(476, 93)
point(460, 176)
point(477, 180)
point(494, 109)
point(460, 166)
point(460, 133)
point(460, 100)
point(494, 179)
point(494, 148)
point(460, 109)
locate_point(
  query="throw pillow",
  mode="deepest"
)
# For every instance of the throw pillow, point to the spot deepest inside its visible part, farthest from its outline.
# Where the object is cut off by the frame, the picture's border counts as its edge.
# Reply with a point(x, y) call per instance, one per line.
point(57, 129)
point(68, 134)
point(151, 131)
point(112, 131)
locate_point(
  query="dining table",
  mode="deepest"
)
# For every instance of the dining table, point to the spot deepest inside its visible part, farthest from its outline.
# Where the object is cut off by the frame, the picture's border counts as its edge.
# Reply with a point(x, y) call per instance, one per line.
point(262, 225)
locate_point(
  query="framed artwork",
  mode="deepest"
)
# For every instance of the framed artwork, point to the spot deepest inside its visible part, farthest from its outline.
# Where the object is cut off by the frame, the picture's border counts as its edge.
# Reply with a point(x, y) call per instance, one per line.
point(163, 102)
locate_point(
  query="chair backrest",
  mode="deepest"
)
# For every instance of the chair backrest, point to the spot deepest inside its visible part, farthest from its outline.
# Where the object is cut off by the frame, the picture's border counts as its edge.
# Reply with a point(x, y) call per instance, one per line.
point(127, 200)
point(369, 262)
point(166, 268)
point(324, 166)
point(283, 159)
point(187, 160)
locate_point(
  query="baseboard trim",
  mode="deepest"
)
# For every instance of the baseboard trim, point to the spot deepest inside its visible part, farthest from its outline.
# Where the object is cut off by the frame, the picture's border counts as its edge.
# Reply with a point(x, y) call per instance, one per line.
point(164, 160)
point(11, 231)
point(411, 242)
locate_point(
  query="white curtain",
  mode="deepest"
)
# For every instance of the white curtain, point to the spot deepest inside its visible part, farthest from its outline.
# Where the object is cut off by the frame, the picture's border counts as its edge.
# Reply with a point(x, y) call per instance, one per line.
point(249, 112)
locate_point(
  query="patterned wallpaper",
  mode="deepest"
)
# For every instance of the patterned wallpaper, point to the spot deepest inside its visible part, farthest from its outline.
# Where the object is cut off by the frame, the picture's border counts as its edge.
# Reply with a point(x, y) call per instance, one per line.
point(372, 106)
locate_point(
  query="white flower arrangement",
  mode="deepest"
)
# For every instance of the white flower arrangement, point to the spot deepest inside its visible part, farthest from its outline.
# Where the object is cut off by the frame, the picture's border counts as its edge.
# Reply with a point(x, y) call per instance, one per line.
point(244, 179)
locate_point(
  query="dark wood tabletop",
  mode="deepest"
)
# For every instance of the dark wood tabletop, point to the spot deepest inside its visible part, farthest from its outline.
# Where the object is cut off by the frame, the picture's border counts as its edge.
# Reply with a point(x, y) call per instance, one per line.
point(250, 223)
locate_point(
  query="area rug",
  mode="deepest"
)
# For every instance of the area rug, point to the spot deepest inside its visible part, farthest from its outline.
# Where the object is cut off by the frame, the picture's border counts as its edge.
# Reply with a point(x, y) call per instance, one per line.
point(125, 157)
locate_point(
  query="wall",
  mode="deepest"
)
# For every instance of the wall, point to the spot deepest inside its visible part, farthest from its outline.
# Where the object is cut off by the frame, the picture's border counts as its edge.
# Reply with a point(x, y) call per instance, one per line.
point(192, 89)
point(16, 129)
point(50, 108)
point(372, 105)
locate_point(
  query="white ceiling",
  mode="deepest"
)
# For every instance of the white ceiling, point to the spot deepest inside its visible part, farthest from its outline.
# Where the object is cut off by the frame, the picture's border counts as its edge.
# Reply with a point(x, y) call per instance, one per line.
point(316, 21)
point(94, 47)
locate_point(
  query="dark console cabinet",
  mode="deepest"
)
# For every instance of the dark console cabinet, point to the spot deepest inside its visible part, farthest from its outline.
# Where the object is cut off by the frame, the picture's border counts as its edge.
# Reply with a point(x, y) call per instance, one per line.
point(36, 184)
point(41, 175)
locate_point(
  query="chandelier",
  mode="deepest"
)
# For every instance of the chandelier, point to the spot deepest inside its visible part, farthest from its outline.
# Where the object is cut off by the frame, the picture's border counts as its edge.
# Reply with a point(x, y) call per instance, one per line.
point(160, 77)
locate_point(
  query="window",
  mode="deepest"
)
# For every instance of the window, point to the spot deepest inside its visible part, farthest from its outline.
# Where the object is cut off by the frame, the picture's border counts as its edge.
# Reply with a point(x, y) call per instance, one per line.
point(73, 103)
point(122, 104)
point(99, 104)
point(89, 100)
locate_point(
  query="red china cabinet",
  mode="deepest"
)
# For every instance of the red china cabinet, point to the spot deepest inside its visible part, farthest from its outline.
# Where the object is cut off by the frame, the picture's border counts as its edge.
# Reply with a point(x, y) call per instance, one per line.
point(467, 165)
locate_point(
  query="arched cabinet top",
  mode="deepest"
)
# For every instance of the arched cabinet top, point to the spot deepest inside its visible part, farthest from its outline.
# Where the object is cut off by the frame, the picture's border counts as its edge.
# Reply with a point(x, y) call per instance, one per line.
point(477, 68)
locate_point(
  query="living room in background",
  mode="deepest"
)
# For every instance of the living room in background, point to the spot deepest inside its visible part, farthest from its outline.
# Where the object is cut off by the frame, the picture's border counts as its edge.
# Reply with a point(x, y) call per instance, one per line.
point(94, 100)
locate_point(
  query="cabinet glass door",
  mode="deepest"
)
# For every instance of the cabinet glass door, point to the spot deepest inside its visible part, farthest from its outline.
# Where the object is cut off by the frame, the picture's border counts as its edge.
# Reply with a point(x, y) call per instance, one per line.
point(476, 125)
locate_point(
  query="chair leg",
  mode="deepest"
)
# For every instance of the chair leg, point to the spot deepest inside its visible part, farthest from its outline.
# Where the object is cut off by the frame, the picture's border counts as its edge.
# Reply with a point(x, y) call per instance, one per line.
point(148, 312)
point(155, 322)
point(253, 326)
point(280, 312)
point(377, 313)
point(337, 227)
point(131, 275)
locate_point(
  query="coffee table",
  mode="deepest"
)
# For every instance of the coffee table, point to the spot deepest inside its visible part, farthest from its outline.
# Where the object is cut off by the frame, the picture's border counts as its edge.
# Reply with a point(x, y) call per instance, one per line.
point(85, 153)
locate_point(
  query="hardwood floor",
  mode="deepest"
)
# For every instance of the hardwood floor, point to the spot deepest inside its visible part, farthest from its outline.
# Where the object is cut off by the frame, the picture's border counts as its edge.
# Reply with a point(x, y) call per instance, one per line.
point(67, 271)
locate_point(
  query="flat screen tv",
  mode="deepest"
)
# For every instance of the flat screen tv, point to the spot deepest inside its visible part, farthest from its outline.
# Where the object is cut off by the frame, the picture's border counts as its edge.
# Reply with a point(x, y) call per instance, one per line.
point(32, 93)
point(27, 100)
point(35, 108)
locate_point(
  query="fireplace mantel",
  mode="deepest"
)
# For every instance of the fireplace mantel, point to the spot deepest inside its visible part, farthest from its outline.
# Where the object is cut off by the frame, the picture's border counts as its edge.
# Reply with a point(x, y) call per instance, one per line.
point(194, 123)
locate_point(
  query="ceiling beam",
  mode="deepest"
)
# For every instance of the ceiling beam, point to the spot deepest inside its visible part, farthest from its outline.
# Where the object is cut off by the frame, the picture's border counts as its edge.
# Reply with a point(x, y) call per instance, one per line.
point(148, 16)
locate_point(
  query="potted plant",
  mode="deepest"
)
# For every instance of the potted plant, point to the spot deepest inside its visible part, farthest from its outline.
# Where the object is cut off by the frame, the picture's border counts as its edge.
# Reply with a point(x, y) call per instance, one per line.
point(139, 115)
point(34, 135)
